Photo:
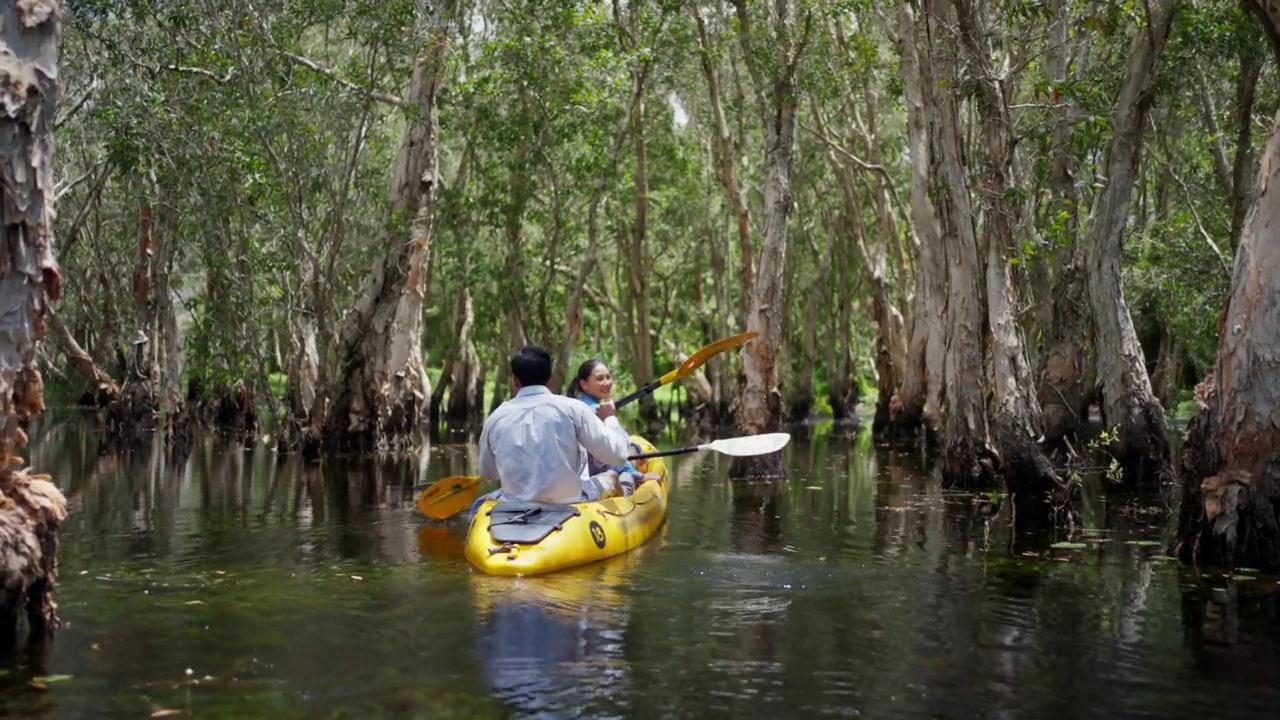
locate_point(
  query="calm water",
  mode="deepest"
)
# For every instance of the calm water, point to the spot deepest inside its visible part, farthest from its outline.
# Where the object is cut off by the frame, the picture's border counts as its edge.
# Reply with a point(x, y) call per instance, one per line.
point(243, 584)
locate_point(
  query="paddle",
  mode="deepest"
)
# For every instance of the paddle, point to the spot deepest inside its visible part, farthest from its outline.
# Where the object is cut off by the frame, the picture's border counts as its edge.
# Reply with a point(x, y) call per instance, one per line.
point(687, 367)
point(448, 496)
point(737, 447)
point(452, 495)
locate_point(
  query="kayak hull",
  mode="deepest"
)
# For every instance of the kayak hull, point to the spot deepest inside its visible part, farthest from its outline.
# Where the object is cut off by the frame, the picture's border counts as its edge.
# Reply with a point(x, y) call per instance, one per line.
point(597, 530)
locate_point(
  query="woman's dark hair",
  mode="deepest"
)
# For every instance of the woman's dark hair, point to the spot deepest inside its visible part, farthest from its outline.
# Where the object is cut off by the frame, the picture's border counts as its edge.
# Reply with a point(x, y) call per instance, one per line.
point(531, 365)
point(584, 372)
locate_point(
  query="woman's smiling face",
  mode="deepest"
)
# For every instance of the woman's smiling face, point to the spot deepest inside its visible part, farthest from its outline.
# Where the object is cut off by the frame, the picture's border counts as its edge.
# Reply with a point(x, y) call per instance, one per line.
point(599, 384)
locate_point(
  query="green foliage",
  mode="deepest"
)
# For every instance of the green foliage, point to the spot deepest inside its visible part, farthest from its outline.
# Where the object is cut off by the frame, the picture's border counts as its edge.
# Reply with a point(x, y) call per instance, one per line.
point(262, 135)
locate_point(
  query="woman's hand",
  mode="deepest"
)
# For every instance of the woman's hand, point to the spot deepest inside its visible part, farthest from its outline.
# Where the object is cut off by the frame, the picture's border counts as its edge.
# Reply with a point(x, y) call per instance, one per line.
point(606, 410)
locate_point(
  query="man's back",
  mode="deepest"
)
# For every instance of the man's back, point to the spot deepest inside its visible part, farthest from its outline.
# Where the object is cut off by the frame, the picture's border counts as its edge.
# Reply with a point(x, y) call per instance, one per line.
point(534, 443)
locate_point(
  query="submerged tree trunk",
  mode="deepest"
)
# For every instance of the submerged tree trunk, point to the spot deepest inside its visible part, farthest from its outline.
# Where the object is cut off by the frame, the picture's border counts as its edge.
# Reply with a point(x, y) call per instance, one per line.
point(137, 406)
point(968, 459)
point(1013, 411)
point(31, 507)
point(103, 389)
point(1067, 323)
point(381, 385)
point(921, 386)
point(466, 398)
point(1141, 445)
point(760, 404)
point(1231, 459)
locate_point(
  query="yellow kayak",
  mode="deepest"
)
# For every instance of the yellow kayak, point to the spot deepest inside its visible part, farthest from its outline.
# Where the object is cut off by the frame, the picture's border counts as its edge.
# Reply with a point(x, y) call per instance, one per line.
point(518, 538)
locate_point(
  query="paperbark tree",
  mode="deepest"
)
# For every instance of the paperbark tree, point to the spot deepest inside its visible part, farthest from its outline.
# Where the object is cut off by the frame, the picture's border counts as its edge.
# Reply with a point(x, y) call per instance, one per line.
point(382, 387)
point(1230, 469)
point(921, 387)
point(760, 404)
point(31, 507)
point(1129, 406)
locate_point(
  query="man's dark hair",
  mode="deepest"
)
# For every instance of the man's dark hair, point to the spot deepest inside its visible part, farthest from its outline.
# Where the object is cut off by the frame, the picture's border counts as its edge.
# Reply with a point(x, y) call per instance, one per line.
point(531, 365)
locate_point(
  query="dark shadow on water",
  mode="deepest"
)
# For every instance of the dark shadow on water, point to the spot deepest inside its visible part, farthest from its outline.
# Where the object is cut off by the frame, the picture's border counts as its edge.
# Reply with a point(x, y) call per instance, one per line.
point(854, 586)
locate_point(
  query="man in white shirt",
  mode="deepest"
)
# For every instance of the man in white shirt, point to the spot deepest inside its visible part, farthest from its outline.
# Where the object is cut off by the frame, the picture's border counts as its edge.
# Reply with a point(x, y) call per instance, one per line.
point(533, 443)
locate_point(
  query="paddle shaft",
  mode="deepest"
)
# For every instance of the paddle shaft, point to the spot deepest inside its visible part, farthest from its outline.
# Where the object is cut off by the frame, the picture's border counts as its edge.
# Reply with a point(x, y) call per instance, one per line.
point(639, 393)
point(666, 453)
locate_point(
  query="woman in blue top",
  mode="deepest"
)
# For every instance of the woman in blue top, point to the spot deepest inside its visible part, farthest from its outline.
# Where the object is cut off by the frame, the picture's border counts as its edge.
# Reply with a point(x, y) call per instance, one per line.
point(593, 386)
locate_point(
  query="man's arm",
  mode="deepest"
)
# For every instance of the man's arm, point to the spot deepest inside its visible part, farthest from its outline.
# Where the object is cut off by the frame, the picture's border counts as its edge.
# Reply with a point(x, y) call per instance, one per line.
point(488, 461)
point(606, 440)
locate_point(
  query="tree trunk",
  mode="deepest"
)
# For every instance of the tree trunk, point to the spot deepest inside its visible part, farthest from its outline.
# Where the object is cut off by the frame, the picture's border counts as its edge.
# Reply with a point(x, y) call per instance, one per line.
point(1141, 447)
point(921, 387)
point(1233, 174)
point(727, 161)
point(1231, 453)
point(760, 405)
point(967, 458)
point(1231, 459)
point(1169, 359)
point(32, 507)
point(1013, 411)
point(637, 263)
point(169, 339)
point(573, 324)
point(1246, 93)
point(800, 406)
point(443, 384)
point(102, 387)
point(1066, 324)
point(466, 403)
point(382, 387)
point(137, 406)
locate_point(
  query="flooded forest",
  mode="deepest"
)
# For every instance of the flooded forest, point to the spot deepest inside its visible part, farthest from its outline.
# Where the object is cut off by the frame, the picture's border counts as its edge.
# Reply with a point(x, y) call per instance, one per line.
point(1013, 265)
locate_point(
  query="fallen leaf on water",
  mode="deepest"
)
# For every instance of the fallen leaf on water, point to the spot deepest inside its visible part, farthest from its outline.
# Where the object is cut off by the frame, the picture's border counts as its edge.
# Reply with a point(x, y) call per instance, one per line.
point(356, 577)
point(165, 712)
point(37, 686)
point(51, 678)
point(193, 602)
point(812, 487)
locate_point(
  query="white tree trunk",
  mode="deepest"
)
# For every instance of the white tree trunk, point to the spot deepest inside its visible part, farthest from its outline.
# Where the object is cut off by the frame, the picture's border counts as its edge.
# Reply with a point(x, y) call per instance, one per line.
point(1142, 446)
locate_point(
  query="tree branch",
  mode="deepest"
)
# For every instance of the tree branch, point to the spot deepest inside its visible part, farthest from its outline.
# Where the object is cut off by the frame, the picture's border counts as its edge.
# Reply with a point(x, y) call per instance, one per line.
point(333, 75)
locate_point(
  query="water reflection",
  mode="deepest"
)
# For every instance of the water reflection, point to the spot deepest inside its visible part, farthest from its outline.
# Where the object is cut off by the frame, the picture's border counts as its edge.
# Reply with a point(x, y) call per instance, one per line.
point(555, 645)
point(855, 586)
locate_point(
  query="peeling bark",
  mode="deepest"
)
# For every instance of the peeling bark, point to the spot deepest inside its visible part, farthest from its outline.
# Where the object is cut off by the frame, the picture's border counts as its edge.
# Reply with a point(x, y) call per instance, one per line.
point(1013, 411)
point(760, 404)
point(921, 388)
point(968, 459)
point(1142, 446)
point(382, 386)
point(1230, 469)
point(31, 507)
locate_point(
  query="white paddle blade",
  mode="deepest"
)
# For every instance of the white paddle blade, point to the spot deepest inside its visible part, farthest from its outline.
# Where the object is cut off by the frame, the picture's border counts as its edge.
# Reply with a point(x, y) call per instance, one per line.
point(751, 444)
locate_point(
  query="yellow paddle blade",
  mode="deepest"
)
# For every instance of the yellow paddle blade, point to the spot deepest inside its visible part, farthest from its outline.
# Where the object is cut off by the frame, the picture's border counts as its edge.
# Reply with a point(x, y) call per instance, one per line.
point(448, 496)
point(699, 358)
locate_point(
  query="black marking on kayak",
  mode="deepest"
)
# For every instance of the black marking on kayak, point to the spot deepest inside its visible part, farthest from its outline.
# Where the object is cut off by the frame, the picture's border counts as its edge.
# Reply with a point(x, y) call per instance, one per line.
point(597, 534)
